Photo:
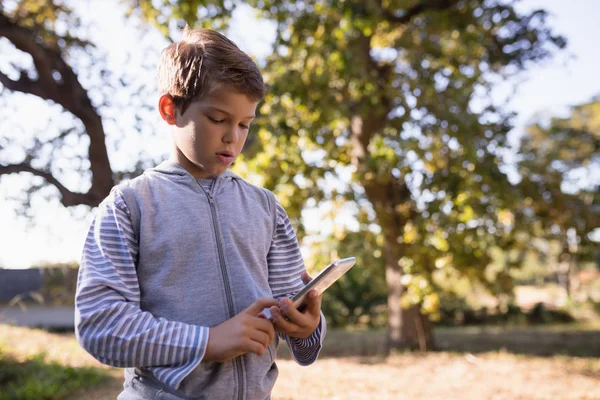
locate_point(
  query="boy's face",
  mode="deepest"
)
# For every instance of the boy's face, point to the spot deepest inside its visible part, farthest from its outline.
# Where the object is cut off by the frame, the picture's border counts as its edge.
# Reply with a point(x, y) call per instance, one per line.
point(211, 133)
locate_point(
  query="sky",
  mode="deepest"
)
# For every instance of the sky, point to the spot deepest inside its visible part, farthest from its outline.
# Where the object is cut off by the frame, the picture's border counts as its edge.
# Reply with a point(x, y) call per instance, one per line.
point(570, 78)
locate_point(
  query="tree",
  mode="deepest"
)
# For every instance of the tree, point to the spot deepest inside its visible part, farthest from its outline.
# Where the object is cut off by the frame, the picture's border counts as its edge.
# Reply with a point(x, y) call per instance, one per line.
point(379, 104)
point(559, 164)
point(50, 58)
point(394, 93)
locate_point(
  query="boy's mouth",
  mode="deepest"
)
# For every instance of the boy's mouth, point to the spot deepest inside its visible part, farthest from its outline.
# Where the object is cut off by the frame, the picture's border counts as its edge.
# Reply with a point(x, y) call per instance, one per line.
point(225, 157)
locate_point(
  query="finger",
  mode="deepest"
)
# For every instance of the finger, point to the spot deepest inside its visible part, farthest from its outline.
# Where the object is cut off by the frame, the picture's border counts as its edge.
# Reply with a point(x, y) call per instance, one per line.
point(305, 277)
point(259, 305)
point(283, 325)
point(288, 310)
point(261, 337)
point(313, 302)
point(266, 327)
point(251, 345)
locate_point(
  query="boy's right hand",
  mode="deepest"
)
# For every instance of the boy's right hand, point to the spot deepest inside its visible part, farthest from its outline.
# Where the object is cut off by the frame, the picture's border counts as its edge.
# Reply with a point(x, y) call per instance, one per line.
point(244, 333)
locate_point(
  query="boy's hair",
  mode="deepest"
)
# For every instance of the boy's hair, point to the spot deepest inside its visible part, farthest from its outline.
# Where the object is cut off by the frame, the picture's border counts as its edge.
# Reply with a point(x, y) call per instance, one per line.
point(202, 61)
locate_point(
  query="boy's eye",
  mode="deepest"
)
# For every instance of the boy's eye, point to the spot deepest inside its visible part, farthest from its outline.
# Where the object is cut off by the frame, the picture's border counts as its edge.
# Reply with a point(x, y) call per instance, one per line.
point(245, 126)
point(216, 121)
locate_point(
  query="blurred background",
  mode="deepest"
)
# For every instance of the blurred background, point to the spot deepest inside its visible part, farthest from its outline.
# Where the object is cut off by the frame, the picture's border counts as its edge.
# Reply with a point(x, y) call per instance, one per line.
point(452, 146)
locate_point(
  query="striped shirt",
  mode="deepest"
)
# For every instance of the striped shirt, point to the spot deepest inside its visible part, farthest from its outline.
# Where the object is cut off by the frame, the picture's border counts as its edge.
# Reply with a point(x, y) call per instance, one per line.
point(120, 334)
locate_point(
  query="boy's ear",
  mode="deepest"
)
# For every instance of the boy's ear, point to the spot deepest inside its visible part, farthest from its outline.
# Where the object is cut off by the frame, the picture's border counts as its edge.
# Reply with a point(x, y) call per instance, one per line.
point(166, 108)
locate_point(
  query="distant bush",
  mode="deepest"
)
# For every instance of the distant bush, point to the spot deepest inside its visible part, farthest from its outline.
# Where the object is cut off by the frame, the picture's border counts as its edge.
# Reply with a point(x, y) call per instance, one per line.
point(596, 306)
point(59, 282)
point(458, 313)
point(541, 314)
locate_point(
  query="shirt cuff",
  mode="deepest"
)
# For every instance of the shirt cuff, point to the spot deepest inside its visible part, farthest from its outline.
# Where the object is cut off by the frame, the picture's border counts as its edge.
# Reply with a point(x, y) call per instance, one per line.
point(306, 351)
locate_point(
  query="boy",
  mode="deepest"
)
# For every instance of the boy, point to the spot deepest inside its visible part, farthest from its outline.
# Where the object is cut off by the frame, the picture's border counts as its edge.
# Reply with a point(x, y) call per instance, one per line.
point(181, 264)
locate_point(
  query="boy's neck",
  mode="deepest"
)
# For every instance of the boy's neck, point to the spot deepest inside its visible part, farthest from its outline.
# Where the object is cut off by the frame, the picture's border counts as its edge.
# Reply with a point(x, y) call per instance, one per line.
point(193, 170)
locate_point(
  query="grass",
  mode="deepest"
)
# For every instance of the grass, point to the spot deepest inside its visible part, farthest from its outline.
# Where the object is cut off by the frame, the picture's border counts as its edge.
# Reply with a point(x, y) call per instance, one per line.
point(37, 365)
point(38, 378)
point(572, 340)
point(474, 363)
point(548, 341)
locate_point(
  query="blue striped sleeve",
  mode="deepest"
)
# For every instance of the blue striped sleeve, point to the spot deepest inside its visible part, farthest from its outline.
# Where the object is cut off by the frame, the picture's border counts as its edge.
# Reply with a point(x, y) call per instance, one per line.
point(285, 270)
point(109, 323)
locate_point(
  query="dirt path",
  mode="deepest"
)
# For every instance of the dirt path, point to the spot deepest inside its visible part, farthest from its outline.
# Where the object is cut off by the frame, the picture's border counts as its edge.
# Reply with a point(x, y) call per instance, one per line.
point(492, 376)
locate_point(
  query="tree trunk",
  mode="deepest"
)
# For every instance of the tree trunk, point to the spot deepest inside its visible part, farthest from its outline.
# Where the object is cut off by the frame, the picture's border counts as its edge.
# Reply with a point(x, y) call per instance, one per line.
point(417, 330)
point(395, 290)
point(407, 328)
point(394, 207)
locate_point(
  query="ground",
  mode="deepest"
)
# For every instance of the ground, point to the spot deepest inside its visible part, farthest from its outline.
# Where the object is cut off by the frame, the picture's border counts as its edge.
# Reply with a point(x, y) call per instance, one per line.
point(349, 370)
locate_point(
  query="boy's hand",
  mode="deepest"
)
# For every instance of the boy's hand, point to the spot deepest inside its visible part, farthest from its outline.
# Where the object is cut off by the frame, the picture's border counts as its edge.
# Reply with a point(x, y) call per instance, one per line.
point(288, 320)
point(244, 333)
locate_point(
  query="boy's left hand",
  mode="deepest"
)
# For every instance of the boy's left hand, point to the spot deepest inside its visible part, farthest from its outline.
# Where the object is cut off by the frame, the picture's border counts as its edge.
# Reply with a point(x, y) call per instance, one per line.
point(288, 320)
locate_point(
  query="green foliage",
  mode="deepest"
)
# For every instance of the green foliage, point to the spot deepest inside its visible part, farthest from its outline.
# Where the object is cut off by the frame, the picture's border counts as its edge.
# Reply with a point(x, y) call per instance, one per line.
point(396, 96)
point(213, 14)
point(359, 297)
point(559, 165)
point(39, 379)
point(393, 95)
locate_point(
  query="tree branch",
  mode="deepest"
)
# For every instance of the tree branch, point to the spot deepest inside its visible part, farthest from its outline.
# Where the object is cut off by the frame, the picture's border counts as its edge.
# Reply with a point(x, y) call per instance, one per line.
point(67, 91)
point(69, 198)
point(366, 119)
point(23, 85)
point(24, 40)
point(412, 12)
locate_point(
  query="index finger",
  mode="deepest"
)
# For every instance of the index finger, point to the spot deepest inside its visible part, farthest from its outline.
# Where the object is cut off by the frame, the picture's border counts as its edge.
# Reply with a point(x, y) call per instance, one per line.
point(259, 305)
point(267, 327)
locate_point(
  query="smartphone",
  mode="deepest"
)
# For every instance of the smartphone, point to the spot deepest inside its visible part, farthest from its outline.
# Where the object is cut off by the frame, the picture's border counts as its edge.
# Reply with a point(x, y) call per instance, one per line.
point(323, 280)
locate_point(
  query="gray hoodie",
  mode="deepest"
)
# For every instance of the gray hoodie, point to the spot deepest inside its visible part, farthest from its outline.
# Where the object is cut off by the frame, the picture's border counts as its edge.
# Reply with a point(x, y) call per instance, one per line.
point(164, 260)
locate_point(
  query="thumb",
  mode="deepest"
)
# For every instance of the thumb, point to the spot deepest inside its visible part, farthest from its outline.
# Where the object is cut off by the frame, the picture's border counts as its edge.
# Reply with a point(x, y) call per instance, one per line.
point(305, 277)
point(259, 305)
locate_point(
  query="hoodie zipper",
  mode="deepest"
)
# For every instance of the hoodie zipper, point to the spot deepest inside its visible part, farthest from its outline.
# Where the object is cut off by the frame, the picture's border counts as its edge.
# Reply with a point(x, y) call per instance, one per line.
point(237, 361)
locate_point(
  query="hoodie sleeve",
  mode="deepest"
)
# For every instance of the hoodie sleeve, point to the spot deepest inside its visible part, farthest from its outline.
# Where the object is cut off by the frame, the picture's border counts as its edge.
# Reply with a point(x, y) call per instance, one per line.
point(285, 269)
point(109, 323)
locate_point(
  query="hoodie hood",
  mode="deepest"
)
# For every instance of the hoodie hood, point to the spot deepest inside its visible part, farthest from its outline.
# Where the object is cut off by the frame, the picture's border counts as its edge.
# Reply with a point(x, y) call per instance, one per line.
point(176, 173)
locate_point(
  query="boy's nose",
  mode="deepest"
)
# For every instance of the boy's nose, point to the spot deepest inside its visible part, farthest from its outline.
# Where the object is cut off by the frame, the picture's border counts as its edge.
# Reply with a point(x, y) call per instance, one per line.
point(231, 136)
